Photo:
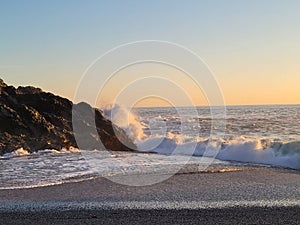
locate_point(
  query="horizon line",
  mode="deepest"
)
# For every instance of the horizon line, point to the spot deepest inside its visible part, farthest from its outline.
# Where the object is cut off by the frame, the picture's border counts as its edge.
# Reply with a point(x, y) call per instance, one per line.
point(267, 104)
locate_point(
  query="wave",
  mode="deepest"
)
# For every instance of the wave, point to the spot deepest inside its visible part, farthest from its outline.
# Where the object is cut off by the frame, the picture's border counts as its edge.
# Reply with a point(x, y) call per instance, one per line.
point(240, 149)
point(125, 119)
point(23, 152)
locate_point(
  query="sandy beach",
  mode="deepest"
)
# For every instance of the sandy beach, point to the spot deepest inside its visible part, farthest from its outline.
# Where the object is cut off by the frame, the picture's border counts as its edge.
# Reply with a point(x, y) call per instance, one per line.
point(255, 195)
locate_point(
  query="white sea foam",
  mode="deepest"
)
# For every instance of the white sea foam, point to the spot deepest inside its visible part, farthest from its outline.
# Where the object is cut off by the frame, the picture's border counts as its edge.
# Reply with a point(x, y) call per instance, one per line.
point(17, 153)
point(241, 150)
point(125, 119)
point(253, 151)
point(23, 152)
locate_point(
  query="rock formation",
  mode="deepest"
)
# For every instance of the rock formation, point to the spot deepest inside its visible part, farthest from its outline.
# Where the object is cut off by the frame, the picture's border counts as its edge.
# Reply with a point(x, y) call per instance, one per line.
point(35, 120)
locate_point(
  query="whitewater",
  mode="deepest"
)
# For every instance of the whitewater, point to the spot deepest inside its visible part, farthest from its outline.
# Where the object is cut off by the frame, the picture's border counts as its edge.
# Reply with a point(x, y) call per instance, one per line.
point(254, 136)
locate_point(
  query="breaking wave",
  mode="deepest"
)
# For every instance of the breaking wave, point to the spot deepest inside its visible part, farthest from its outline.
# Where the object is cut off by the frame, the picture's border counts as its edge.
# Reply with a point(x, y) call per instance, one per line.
point(125, 119)
point(241, 149)
point(254, 150)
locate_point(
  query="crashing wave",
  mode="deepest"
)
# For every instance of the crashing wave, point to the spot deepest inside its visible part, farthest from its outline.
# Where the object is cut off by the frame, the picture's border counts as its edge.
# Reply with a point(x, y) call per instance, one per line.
point(257, 151)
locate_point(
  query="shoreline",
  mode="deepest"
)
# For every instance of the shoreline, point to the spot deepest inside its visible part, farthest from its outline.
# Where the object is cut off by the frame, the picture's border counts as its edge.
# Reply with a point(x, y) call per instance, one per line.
point(256, 195)
point(100, 186)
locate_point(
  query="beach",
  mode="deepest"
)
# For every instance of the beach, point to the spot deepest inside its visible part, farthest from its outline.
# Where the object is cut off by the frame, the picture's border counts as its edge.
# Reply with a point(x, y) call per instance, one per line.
point(150, 112)
point(254, 195)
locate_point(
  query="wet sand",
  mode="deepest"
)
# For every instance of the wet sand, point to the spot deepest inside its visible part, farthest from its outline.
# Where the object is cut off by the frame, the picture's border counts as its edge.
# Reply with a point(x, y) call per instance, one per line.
point(252, 196)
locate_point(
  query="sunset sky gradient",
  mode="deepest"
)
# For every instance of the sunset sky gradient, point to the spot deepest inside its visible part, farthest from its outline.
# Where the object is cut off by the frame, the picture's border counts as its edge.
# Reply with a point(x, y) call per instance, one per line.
point(253, 47)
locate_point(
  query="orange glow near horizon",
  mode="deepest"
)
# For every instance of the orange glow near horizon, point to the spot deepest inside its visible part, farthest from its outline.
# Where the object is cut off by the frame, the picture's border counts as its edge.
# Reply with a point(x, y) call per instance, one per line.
point(170, 87)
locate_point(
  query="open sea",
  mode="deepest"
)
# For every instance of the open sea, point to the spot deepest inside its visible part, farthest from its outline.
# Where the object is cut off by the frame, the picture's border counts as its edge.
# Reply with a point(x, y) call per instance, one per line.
point(189, 138)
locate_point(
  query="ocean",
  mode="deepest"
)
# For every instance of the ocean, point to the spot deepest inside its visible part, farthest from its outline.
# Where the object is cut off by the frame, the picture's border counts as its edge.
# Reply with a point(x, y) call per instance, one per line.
point(167, 142)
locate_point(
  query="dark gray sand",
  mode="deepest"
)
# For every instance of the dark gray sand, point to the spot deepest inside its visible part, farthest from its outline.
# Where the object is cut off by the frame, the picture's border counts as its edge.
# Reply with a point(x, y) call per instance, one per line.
point(228, 216)
point(252, 196)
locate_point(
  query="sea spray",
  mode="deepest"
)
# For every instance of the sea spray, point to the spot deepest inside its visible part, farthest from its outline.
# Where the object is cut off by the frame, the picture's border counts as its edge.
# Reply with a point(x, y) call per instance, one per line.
point(125, 119)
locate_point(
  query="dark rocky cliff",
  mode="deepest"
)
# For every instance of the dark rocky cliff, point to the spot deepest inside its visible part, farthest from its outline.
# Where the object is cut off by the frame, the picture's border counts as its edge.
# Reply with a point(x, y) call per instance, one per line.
point(35, 120)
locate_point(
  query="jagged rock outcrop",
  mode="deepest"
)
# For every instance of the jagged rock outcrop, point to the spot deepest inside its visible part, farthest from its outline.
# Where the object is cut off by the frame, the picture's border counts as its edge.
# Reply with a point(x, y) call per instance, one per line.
point(34, 120)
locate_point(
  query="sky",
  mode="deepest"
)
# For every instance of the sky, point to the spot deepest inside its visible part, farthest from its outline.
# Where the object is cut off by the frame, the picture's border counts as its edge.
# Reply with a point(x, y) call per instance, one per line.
point(251, 46)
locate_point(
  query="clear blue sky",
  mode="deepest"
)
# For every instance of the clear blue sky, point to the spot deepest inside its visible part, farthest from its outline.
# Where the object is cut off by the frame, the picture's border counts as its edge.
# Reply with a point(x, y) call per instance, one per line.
point(252, 46)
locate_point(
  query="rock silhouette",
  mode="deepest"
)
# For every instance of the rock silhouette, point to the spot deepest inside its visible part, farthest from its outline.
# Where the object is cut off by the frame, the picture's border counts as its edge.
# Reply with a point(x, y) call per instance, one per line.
point(33, 119)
